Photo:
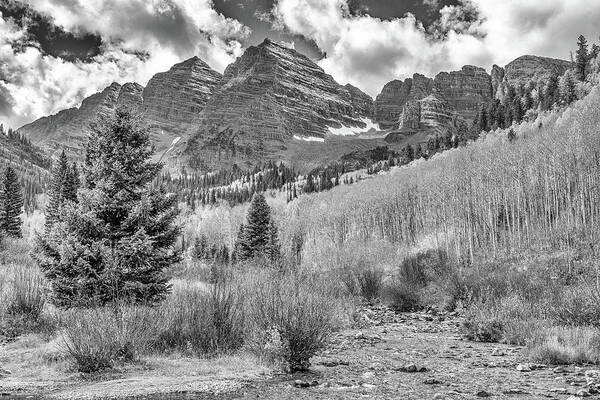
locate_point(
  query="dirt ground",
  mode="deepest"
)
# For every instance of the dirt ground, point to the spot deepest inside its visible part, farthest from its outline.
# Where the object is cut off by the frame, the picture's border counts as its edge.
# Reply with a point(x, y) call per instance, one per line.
point(407, 356)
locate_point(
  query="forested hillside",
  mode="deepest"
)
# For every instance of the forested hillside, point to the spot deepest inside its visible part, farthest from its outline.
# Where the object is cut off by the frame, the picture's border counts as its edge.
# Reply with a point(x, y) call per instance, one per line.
point(492, 197)
point(30, 162)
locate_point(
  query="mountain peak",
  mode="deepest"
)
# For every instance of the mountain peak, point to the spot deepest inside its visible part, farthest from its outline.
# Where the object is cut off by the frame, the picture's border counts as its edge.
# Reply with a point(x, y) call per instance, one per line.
point(191, 63)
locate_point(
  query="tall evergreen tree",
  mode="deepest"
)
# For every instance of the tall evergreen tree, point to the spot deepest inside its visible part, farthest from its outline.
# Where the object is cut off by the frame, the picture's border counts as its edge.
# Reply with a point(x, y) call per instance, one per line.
point(258, 236)
point(567, 88)
point(11, 203)
point(581, 58)
point(71, 183)
point(418, 151)
point(551, 93)
point(528, 103)
point(272, 250)
point(517, 108)
point(594, 52)
point(56, 193)
point(118, 239)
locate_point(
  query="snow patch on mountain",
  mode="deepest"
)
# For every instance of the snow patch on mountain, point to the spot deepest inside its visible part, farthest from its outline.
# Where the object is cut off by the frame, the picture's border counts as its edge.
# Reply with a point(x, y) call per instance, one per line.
point(353, 130)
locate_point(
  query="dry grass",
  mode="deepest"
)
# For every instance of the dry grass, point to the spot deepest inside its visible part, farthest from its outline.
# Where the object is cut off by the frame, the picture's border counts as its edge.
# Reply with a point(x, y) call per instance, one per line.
point(99, 338)
point(201, 320)
point(566, 345)
point(290, 317)
point(22, 292)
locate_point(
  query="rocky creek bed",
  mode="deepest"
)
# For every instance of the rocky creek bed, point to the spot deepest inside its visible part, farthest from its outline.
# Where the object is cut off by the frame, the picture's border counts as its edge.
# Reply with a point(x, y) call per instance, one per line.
point(387, 355)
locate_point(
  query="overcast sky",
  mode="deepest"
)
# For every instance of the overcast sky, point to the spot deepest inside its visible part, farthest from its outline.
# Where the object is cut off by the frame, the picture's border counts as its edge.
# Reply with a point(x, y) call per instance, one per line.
point(53, 53)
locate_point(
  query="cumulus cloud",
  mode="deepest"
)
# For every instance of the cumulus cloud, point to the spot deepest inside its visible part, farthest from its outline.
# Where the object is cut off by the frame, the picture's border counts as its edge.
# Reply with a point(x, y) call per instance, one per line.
point(368, 52)
point(165, 31)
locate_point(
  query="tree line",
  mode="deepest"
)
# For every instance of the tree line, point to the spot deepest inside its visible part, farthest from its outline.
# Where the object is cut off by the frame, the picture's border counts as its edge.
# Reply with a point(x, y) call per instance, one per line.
point(234, 186)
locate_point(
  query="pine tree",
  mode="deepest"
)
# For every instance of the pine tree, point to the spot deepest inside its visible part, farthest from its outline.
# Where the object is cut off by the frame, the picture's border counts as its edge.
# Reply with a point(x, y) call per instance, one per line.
point(481, 121)
point(71, 184)
point(594, 52)
point(567, 88)
point(418, 152)
point(517, 110)
point(551, 93)
point(511, 135)
point(272, 250)
point(118, 239)
point(528, 103)
point(581, 58)
point(64, 184)
point(56, 192)
point(241, 250)
point(11, 204)
point(258, 236)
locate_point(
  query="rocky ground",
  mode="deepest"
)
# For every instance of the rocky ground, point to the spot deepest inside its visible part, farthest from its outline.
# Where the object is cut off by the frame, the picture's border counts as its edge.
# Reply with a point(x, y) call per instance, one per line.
point(408, 356)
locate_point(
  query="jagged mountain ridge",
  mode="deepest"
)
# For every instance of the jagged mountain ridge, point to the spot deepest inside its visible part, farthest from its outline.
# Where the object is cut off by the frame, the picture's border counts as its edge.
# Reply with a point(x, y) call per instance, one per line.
point(401, 104)
point(270, 96)
point(168, 103)
point(273, 101)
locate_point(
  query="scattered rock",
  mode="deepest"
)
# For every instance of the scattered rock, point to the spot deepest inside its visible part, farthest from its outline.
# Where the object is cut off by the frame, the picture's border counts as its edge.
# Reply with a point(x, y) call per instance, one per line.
point(497, 352)
point(299, 383)
point(431, 381)
point(368, 386)
point(410, 368)
point(483, 393)
point(523, 368)
point(583, 393)
point(592, 377)
point(514, 391)
point(4, 372)
point(333, 363)
point(560, 370)
point(559, 390)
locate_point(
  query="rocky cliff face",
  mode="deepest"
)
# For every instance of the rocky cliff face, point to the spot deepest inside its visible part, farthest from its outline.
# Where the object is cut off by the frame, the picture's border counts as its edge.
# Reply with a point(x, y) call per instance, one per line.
point(174, 98)
point(431, 113)
point(168, 104)
point(497, 78)
point(463, 91)
point(269, 96)
point(525, 70)
point(361, 102)
point(532, 68)
point(436, 113)
point(389, 103)
point(69, 128)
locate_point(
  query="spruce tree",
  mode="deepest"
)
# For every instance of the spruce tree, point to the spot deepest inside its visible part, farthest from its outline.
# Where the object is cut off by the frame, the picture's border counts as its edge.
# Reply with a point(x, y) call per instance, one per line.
point(567, 88)
point(418, 152)
point(581, 58)
point(272, 250)
point(258, 236)
point(71, 183)
point(551, 93)
point(117, 240)
point(56, 193)
point(512, 135)
point(11, 203)
point(594, 52)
